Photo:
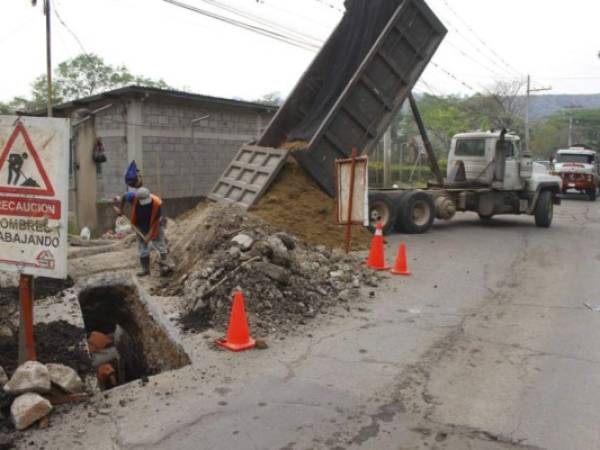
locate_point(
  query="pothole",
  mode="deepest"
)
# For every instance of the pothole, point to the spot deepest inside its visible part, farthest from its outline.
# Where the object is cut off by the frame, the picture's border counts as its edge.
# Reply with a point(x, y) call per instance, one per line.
point(139, 345)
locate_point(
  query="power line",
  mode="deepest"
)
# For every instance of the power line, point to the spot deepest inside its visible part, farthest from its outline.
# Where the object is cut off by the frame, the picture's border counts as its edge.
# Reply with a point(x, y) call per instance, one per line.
point(55, 9)
point(293, 13)
point(244, 25)
point(273, 25)
point(494, 61)
point(330, 5)
point(479, 38)
point(476, 61)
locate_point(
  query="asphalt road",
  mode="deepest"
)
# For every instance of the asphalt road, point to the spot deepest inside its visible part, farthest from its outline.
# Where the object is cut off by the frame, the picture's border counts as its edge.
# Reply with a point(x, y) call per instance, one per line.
point(487, 346)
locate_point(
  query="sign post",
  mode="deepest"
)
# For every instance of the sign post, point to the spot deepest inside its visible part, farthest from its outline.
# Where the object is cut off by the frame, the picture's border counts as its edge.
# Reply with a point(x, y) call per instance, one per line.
point(34, 161)
point(352, 193)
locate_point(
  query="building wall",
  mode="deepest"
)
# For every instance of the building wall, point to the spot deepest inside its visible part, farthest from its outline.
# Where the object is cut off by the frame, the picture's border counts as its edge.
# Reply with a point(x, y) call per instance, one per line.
point(180, 160)
point(185, 159)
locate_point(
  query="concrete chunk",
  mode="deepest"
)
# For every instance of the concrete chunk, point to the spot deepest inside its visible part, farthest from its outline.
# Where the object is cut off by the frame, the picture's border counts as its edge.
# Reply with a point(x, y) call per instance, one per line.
point(244, 241)
point(280, 256)
point(274, 272)
point(65, 378)
point(29, 377)
point(28, 409)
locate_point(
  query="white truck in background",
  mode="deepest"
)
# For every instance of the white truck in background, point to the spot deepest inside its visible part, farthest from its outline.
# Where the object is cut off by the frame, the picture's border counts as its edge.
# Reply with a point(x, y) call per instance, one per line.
point(488, 173)
point(578, 168)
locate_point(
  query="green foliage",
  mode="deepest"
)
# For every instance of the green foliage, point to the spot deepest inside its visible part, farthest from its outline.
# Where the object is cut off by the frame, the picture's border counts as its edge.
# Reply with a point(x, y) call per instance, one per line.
point(81, 76)
point(551, 134)
point(443, 118)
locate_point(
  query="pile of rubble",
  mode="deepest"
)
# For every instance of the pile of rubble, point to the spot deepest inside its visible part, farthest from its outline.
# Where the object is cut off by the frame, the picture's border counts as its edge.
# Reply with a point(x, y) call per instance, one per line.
point(285, 282)
point(28, 395)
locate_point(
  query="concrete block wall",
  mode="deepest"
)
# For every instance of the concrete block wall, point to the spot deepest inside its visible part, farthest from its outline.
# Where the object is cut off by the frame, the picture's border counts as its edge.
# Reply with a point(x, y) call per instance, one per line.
point(184, 160)
point(112, 129)
point(180, 160)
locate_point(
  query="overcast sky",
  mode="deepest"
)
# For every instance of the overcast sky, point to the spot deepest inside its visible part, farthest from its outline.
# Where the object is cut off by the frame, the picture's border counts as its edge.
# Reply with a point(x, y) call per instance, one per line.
point(556, 42)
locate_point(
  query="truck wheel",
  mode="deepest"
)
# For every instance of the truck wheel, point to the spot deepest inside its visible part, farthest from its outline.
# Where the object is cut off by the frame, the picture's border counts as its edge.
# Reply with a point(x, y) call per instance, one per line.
point(544, 210)
point(592, 194)
point(416, 213)
point(486, 217)
point(381, 210)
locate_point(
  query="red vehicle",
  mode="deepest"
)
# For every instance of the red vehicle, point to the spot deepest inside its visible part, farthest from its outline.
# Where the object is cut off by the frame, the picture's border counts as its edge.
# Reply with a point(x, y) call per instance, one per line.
point(578, 167)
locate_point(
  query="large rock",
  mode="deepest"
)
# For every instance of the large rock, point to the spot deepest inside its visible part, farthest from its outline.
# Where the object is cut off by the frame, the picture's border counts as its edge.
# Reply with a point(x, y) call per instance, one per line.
point(287, 240)
point(280, 256)
point(3, 377)
point(65, 378)
point(244, 241)
point(274, 272)
point(28, 409)
point(29, 377)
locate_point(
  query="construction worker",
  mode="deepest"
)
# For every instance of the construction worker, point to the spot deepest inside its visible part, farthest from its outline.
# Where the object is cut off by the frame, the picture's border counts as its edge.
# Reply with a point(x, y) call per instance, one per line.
point(146, 216)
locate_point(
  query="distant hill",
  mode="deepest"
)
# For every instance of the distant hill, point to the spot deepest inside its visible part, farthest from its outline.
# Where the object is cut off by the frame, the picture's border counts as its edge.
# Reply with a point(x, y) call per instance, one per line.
point(545, 105)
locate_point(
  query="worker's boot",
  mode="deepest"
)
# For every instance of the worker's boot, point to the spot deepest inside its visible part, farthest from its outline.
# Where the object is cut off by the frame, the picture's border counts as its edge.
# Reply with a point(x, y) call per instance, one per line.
point(145, 263)
point(165, 268)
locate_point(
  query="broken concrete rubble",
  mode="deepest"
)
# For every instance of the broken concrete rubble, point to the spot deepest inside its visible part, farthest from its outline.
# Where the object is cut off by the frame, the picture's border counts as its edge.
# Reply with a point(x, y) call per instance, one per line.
point(31, 376)
point(65, 378)
point(28, 409)
point(284, 281)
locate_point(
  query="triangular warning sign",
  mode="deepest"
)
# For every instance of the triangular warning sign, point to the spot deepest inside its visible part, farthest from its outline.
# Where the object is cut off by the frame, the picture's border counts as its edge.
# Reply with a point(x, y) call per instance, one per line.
point(21, 170)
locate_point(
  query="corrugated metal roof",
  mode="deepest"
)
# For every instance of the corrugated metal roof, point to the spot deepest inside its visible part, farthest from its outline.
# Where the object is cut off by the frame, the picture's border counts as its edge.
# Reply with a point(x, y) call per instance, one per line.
point(135, 90)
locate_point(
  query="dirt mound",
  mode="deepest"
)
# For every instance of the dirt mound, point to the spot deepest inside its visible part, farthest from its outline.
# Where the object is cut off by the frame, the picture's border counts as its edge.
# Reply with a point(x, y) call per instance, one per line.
point(56, 342)
point(295, 204)
point(286, 282)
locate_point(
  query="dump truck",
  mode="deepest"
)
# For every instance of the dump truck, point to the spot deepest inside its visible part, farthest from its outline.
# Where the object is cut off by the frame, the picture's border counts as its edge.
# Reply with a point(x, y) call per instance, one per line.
point(347, 99)
point(488, 173)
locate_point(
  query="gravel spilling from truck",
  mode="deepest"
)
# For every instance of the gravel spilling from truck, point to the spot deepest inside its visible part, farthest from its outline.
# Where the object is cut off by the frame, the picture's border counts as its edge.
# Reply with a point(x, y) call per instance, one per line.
point(295, 204)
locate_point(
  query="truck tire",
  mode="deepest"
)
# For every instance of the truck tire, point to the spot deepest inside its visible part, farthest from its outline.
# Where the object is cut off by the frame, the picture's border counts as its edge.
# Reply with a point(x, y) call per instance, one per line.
point(592, 194)
point(544, 210)
point(382, 210)
point(486, 217)
point(416, 213)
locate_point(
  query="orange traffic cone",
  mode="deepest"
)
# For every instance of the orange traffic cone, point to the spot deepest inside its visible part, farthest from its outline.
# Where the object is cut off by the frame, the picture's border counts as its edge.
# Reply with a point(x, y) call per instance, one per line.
point(401, 266)
point(238, 337)
point(377, 255)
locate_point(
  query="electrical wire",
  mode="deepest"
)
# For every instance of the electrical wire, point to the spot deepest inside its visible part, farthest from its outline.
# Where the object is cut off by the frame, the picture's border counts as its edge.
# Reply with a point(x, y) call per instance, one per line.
point(244, 25)
point(479, 38)
point(56, 13)
point(273, 25)
point(330, 5)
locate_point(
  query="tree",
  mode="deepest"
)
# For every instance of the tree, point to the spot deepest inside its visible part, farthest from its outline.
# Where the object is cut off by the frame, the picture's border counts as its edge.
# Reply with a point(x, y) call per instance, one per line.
point(501, 107)
point(81, 76)
point(272, 98)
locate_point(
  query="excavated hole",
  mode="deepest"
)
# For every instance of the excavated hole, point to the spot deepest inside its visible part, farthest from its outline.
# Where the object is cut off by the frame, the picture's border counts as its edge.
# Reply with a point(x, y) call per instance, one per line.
point(149, 350)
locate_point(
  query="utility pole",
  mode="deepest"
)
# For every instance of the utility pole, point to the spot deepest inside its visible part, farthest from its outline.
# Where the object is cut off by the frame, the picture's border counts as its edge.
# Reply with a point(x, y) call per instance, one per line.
point(47, 10)
point(387, 158)
point(529, 91)
point(570, 131)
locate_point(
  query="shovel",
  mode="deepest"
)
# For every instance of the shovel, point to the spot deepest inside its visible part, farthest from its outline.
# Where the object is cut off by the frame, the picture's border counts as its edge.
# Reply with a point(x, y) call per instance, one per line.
point(137, 231)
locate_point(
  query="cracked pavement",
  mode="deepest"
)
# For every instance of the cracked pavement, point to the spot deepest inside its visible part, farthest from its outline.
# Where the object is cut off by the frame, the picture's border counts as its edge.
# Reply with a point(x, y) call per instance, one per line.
point(487, 346)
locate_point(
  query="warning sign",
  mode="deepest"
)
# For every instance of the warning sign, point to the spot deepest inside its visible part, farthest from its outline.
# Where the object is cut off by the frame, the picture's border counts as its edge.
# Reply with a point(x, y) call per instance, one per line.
point(34, 161)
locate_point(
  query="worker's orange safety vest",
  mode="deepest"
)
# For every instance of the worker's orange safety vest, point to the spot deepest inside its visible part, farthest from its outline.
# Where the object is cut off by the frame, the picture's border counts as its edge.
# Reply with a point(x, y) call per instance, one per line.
point(154, 219)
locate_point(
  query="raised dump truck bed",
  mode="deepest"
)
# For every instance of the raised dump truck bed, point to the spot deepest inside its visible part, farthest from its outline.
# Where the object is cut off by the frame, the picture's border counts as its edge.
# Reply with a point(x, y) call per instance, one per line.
point(347, 97)
point(349, 94)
